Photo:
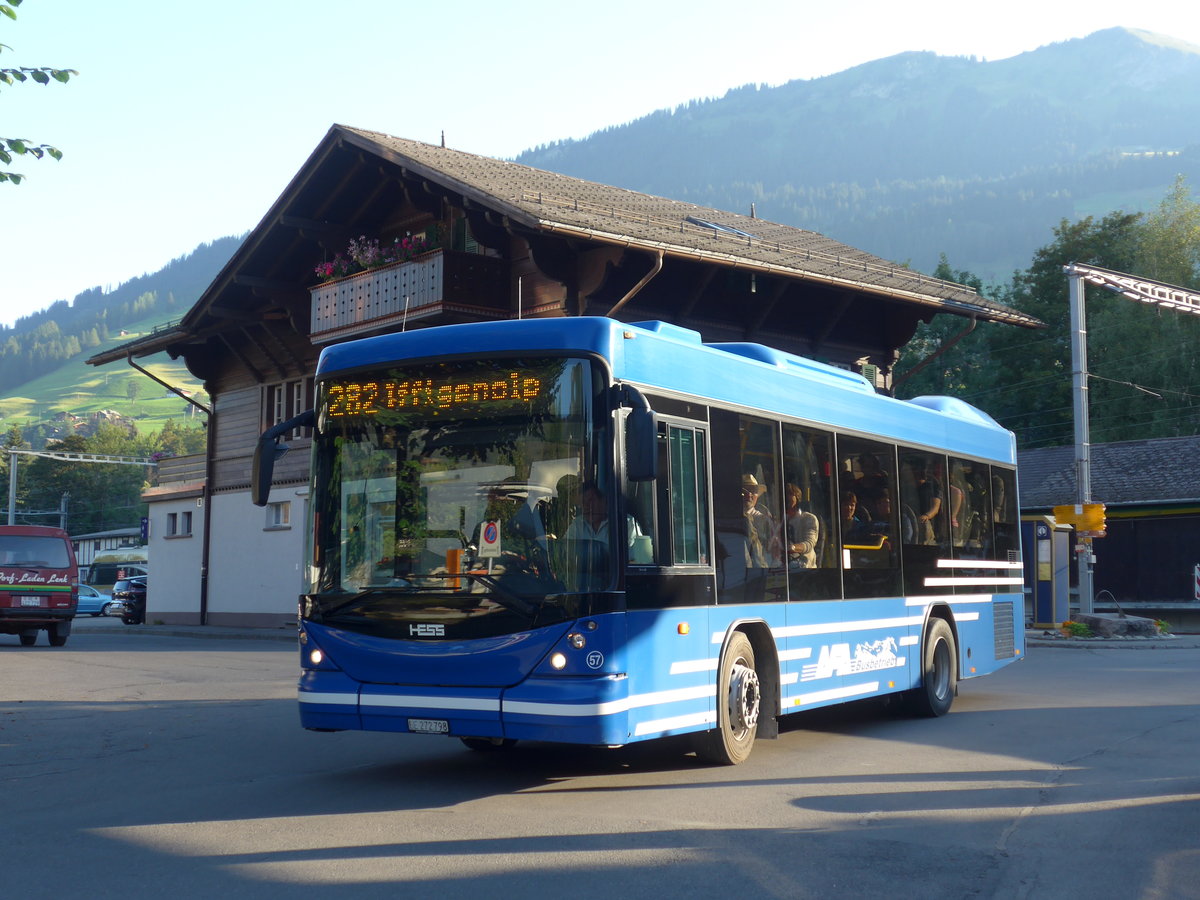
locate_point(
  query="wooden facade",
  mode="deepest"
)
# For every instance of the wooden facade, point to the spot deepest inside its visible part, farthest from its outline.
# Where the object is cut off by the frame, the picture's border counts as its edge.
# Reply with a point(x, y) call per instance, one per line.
point(510, 241)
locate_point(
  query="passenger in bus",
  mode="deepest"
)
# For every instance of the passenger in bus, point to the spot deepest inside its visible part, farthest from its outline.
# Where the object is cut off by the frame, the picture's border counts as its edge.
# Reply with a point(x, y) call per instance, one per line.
point(591, 522)
point(522, 534)
point(855, 529)
point(883, 526)
point(803, 531)
point(762, 539)
point(870, 482)
point(929, 502)
point(563, 505)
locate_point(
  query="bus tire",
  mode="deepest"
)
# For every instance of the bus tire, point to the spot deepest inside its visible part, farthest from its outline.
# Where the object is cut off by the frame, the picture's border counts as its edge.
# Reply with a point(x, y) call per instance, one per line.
point(28, 638)
point(58, 635)
point(939, 672)
point(739, 704)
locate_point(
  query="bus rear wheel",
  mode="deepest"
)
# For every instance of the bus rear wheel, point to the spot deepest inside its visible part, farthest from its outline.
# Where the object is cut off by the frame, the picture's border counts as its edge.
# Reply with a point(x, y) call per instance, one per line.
point(739, 703)
point(939, 673)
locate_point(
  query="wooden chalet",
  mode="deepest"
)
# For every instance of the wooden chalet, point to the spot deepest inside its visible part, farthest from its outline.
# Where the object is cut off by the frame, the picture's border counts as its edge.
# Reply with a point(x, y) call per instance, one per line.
point(508, 241)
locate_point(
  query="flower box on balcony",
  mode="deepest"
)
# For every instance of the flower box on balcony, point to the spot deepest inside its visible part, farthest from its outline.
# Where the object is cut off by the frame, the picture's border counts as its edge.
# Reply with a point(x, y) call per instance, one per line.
point(418, 288)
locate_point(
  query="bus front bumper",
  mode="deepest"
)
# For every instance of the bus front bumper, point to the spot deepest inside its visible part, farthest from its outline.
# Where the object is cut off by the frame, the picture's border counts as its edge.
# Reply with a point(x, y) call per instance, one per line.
point(573, 710)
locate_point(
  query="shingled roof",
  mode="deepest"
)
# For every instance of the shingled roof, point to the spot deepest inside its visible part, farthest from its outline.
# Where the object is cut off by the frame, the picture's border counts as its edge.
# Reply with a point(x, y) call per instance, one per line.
point(559, 204)
point(1162, 470)
point(815, 296)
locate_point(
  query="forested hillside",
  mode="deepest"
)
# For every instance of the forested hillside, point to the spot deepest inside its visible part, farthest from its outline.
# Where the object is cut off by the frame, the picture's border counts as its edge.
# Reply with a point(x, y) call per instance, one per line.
point(1145, 370)
point(42, 342)
point(991, 173)
point(916, 155)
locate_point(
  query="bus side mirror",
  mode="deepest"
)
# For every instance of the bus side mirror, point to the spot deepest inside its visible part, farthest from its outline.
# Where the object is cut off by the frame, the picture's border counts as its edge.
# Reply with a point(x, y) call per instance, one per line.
point(641, 435)
point(267, 450)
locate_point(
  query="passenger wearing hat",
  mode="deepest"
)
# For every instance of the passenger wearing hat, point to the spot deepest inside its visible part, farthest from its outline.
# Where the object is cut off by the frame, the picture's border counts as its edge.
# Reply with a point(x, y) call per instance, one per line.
point(761, 539)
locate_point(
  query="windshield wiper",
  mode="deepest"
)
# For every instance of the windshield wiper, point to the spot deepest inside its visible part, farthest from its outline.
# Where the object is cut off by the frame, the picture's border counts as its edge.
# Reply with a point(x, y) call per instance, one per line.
point(496, 591)
point(363, 596)
point(499, 593)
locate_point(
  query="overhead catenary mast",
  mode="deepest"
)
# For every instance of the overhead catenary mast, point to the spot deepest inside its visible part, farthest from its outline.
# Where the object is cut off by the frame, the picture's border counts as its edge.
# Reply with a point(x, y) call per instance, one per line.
point(1132, 287)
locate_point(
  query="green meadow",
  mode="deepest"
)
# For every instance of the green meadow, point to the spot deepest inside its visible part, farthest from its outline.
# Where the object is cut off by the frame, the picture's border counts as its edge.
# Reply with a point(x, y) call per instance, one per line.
point(79, 389)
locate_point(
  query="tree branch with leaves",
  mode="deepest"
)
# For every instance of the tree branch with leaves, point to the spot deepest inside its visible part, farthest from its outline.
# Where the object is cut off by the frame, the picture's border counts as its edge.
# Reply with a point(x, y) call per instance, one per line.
point(14, 147)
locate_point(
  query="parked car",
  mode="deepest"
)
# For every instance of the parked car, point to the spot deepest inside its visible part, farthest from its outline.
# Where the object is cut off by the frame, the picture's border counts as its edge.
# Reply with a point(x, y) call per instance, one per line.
point(103, 575)
point(93, 602)
point(131, 594)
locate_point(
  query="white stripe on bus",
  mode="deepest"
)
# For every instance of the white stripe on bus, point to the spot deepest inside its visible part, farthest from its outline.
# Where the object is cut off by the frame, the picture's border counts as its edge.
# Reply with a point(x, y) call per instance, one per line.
point(660, 725)
point(688, 666)
point(475, 704)
point(924, 599)
point(330, 699)
point(965, 581)
point(841, 693)
point(610, 707)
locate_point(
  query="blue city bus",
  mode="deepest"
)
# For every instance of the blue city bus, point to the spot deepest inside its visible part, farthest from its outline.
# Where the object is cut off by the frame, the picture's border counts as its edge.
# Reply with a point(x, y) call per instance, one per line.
point(585, 531)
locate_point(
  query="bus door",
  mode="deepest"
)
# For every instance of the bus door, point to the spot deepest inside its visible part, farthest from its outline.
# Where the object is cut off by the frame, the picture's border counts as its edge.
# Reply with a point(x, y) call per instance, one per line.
point(669, 580)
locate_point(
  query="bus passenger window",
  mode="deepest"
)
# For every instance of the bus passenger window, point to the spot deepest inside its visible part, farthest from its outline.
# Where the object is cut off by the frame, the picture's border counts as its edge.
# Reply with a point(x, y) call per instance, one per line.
point(869, 521)
point(639, 521)
point(688, 500)
point(810, 522)
point(970, 509)
point(1006, 515)
point(748, 509)
point(924, 519)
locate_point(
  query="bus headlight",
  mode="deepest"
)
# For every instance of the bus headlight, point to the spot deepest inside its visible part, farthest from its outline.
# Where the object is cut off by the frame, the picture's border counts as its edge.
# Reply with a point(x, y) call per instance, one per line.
point(315, 656)
point(576, 640)
point(558, 660)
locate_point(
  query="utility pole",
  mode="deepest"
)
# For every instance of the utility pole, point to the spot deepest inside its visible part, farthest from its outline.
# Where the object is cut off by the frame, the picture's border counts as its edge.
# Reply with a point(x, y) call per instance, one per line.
point(1155, 293)
point(55, 454)
point(1083, 447)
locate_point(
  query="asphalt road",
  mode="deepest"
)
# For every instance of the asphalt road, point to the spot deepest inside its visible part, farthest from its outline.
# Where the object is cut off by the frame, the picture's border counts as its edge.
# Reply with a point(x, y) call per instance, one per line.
point(139, 764)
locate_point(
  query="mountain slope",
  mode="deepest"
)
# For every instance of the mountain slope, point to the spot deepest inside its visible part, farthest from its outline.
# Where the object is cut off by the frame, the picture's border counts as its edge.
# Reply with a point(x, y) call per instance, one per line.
point(915, 155)
point(43, 370)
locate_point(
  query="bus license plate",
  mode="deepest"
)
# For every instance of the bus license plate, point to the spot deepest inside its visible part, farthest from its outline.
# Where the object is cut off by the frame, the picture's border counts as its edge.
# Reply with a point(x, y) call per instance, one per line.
point(429, 726)
point(31, 601)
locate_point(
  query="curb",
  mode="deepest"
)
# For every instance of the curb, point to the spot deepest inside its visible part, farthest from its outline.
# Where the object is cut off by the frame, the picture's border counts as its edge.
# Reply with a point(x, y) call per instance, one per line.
point(1173, 642)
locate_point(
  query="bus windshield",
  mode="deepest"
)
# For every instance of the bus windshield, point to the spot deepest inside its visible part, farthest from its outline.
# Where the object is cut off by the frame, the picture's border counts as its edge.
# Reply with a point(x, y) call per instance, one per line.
point(443, 495)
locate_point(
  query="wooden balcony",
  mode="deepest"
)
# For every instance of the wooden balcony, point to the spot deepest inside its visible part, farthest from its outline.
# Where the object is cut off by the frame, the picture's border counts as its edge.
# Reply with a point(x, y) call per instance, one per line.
point(439, 286)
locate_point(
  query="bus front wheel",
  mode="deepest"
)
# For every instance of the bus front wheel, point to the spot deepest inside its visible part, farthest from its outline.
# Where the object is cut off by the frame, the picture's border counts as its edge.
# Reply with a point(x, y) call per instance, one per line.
point(739, 702)
point(939, 673)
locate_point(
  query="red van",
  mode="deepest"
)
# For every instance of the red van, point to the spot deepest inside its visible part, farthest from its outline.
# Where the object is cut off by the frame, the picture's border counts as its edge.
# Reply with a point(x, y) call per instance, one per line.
point(38, 576)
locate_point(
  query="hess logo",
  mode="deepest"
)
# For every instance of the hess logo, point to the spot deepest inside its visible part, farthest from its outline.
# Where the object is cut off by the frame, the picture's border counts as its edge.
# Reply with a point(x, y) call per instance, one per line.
point(427, 630)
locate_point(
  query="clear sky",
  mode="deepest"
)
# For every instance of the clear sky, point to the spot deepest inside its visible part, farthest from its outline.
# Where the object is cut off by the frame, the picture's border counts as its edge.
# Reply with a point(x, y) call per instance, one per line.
point(187, 120)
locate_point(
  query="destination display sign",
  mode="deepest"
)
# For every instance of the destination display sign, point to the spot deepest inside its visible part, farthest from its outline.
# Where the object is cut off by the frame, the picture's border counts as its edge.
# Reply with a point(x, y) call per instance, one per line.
point(471, 393)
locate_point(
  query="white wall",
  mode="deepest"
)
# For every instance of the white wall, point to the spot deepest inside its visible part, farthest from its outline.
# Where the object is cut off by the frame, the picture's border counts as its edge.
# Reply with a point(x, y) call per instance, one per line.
point(255, 575)
point(174, 584)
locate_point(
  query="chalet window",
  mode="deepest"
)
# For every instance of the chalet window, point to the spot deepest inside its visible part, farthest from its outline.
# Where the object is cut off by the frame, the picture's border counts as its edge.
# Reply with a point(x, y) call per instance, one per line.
point(286, 399)
point(462, 239)
point(279, 515)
